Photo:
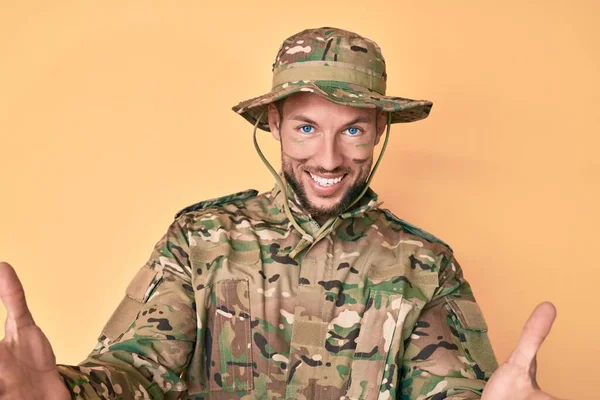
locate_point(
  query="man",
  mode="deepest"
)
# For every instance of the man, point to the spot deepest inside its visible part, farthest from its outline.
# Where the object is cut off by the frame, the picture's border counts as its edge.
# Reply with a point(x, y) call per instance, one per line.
point(309, 291)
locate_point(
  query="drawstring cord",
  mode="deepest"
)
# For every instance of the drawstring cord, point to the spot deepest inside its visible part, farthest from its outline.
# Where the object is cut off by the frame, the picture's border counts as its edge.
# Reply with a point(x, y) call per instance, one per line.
point(282, 187)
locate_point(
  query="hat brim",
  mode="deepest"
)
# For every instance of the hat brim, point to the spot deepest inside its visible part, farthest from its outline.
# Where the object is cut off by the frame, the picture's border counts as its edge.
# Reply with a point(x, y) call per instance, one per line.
point(402, 109)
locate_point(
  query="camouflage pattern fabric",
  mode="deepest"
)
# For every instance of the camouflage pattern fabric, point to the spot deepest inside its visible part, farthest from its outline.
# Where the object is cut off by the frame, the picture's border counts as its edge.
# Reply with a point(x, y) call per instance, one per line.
point(377, 309)
point(342, 66)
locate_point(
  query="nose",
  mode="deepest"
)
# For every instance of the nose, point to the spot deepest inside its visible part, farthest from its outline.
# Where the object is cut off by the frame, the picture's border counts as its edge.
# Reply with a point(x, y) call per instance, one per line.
point(329, 155)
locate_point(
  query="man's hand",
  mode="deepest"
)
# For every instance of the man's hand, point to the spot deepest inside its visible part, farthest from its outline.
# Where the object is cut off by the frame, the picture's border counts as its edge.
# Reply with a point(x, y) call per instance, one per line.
point(27, 363)
point(515, 379)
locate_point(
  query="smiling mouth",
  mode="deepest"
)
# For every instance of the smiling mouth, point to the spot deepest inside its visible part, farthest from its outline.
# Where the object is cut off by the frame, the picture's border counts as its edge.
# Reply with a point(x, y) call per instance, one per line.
point(326, 182)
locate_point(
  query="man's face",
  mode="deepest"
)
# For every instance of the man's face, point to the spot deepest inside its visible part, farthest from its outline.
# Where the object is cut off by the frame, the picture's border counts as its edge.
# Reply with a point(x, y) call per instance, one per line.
point(326, 150)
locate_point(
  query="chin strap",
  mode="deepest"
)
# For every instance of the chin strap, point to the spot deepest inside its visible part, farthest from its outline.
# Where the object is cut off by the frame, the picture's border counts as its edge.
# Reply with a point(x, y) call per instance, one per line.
point(307, 239)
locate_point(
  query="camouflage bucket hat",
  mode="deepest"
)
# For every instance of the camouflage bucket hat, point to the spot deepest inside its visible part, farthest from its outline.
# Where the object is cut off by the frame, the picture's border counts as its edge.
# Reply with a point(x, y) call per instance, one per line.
point(339, 65)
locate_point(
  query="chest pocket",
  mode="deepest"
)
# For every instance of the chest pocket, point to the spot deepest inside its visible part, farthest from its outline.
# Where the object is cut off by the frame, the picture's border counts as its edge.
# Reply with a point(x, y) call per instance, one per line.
point(381, 322)
point(223, 355)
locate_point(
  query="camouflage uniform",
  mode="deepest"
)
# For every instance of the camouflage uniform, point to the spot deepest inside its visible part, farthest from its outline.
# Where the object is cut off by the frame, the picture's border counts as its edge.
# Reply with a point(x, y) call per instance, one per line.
point(377, 309)
point(246, 296)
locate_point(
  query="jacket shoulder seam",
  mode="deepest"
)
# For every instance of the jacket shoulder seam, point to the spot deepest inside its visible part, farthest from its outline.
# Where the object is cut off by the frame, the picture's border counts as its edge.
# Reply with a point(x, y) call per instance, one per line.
point(218, 201)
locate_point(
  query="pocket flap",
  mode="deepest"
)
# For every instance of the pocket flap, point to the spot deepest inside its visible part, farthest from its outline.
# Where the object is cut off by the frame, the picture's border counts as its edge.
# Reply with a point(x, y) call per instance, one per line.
point(474, 338)
point(469, 314)
point(138, 291)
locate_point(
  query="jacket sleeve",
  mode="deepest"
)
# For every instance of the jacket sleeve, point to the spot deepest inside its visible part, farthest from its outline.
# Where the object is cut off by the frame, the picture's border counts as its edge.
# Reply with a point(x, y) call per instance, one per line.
point(449, 355)
point(148, 341)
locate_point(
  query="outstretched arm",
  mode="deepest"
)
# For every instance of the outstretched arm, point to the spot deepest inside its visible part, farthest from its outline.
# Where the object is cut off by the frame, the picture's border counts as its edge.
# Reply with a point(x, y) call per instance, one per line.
point(449, 355)
point(148, 341)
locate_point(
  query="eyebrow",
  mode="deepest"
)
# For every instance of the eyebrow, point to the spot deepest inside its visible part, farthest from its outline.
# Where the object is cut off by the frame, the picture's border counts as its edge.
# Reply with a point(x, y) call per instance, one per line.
point(304, 118)
point(357, 120)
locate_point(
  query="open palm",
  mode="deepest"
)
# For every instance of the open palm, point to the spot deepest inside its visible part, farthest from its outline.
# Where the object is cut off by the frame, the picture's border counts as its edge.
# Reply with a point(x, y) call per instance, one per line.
point(516, 378)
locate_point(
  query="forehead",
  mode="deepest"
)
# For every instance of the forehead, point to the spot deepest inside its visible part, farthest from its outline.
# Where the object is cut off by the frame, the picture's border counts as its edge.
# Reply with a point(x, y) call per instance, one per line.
point(316, 106)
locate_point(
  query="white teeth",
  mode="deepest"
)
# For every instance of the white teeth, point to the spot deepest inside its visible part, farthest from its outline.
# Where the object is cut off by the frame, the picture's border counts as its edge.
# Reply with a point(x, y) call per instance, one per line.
point(324, 181)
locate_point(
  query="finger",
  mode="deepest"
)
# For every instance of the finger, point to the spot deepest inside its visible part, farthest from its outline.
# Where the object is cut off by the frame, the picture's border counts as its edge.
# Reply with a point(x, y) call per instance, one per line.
point(533, 372)
point(534, 332)
point(13, 297)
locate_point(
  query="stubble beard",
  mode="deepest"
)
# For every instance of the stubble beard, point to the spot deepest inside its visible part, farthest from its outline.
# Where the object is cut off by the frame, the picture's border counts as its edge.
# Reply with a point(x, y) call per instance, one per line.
point(319, 212)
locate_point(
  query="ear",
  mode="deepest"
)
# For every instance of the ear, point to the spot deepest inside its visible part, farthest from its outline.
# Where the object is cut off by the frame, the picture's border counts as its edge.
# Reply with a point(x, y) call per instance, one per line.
point(274, 121)
point(381, 125)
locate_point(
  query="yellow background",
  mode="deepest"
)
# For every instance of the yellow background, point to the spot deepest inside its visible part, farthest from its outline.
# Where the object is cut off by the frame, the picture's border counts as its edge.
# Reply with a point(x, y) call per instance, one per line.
point(114, 115)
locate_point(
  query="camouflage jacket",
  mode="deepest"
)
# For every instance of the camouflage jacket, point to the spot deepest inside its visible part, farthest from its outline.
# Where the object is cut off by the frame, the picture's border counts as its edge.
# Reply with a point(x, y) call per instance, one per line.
point(377, 309)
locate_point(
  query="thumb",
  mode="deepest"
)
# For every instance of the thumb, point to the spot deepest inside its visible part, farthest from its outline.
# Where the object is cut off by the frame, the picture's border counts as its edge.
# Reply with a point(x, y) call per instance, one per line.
point(534, 332)
point(13, 297)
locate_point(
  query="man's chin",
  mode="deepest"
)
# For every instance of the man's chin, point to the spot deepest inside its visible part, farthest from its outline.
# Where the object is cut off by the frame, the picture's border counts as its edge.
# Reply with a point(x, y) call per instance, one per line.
point(329, 201)
point(322, 211)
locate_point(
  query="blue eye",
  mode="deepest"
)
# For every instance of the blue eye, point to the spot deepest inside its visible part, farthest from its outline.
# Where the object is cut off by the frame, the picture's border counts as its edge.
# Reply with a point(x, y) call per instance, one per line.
point(306, 129)
point(353, 131)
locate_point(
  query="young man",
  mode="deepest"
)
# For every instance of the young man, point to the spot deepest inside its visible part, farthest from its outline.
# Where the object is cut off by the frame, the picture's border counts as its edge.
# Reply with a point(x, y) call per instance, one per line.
point(309, 291)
